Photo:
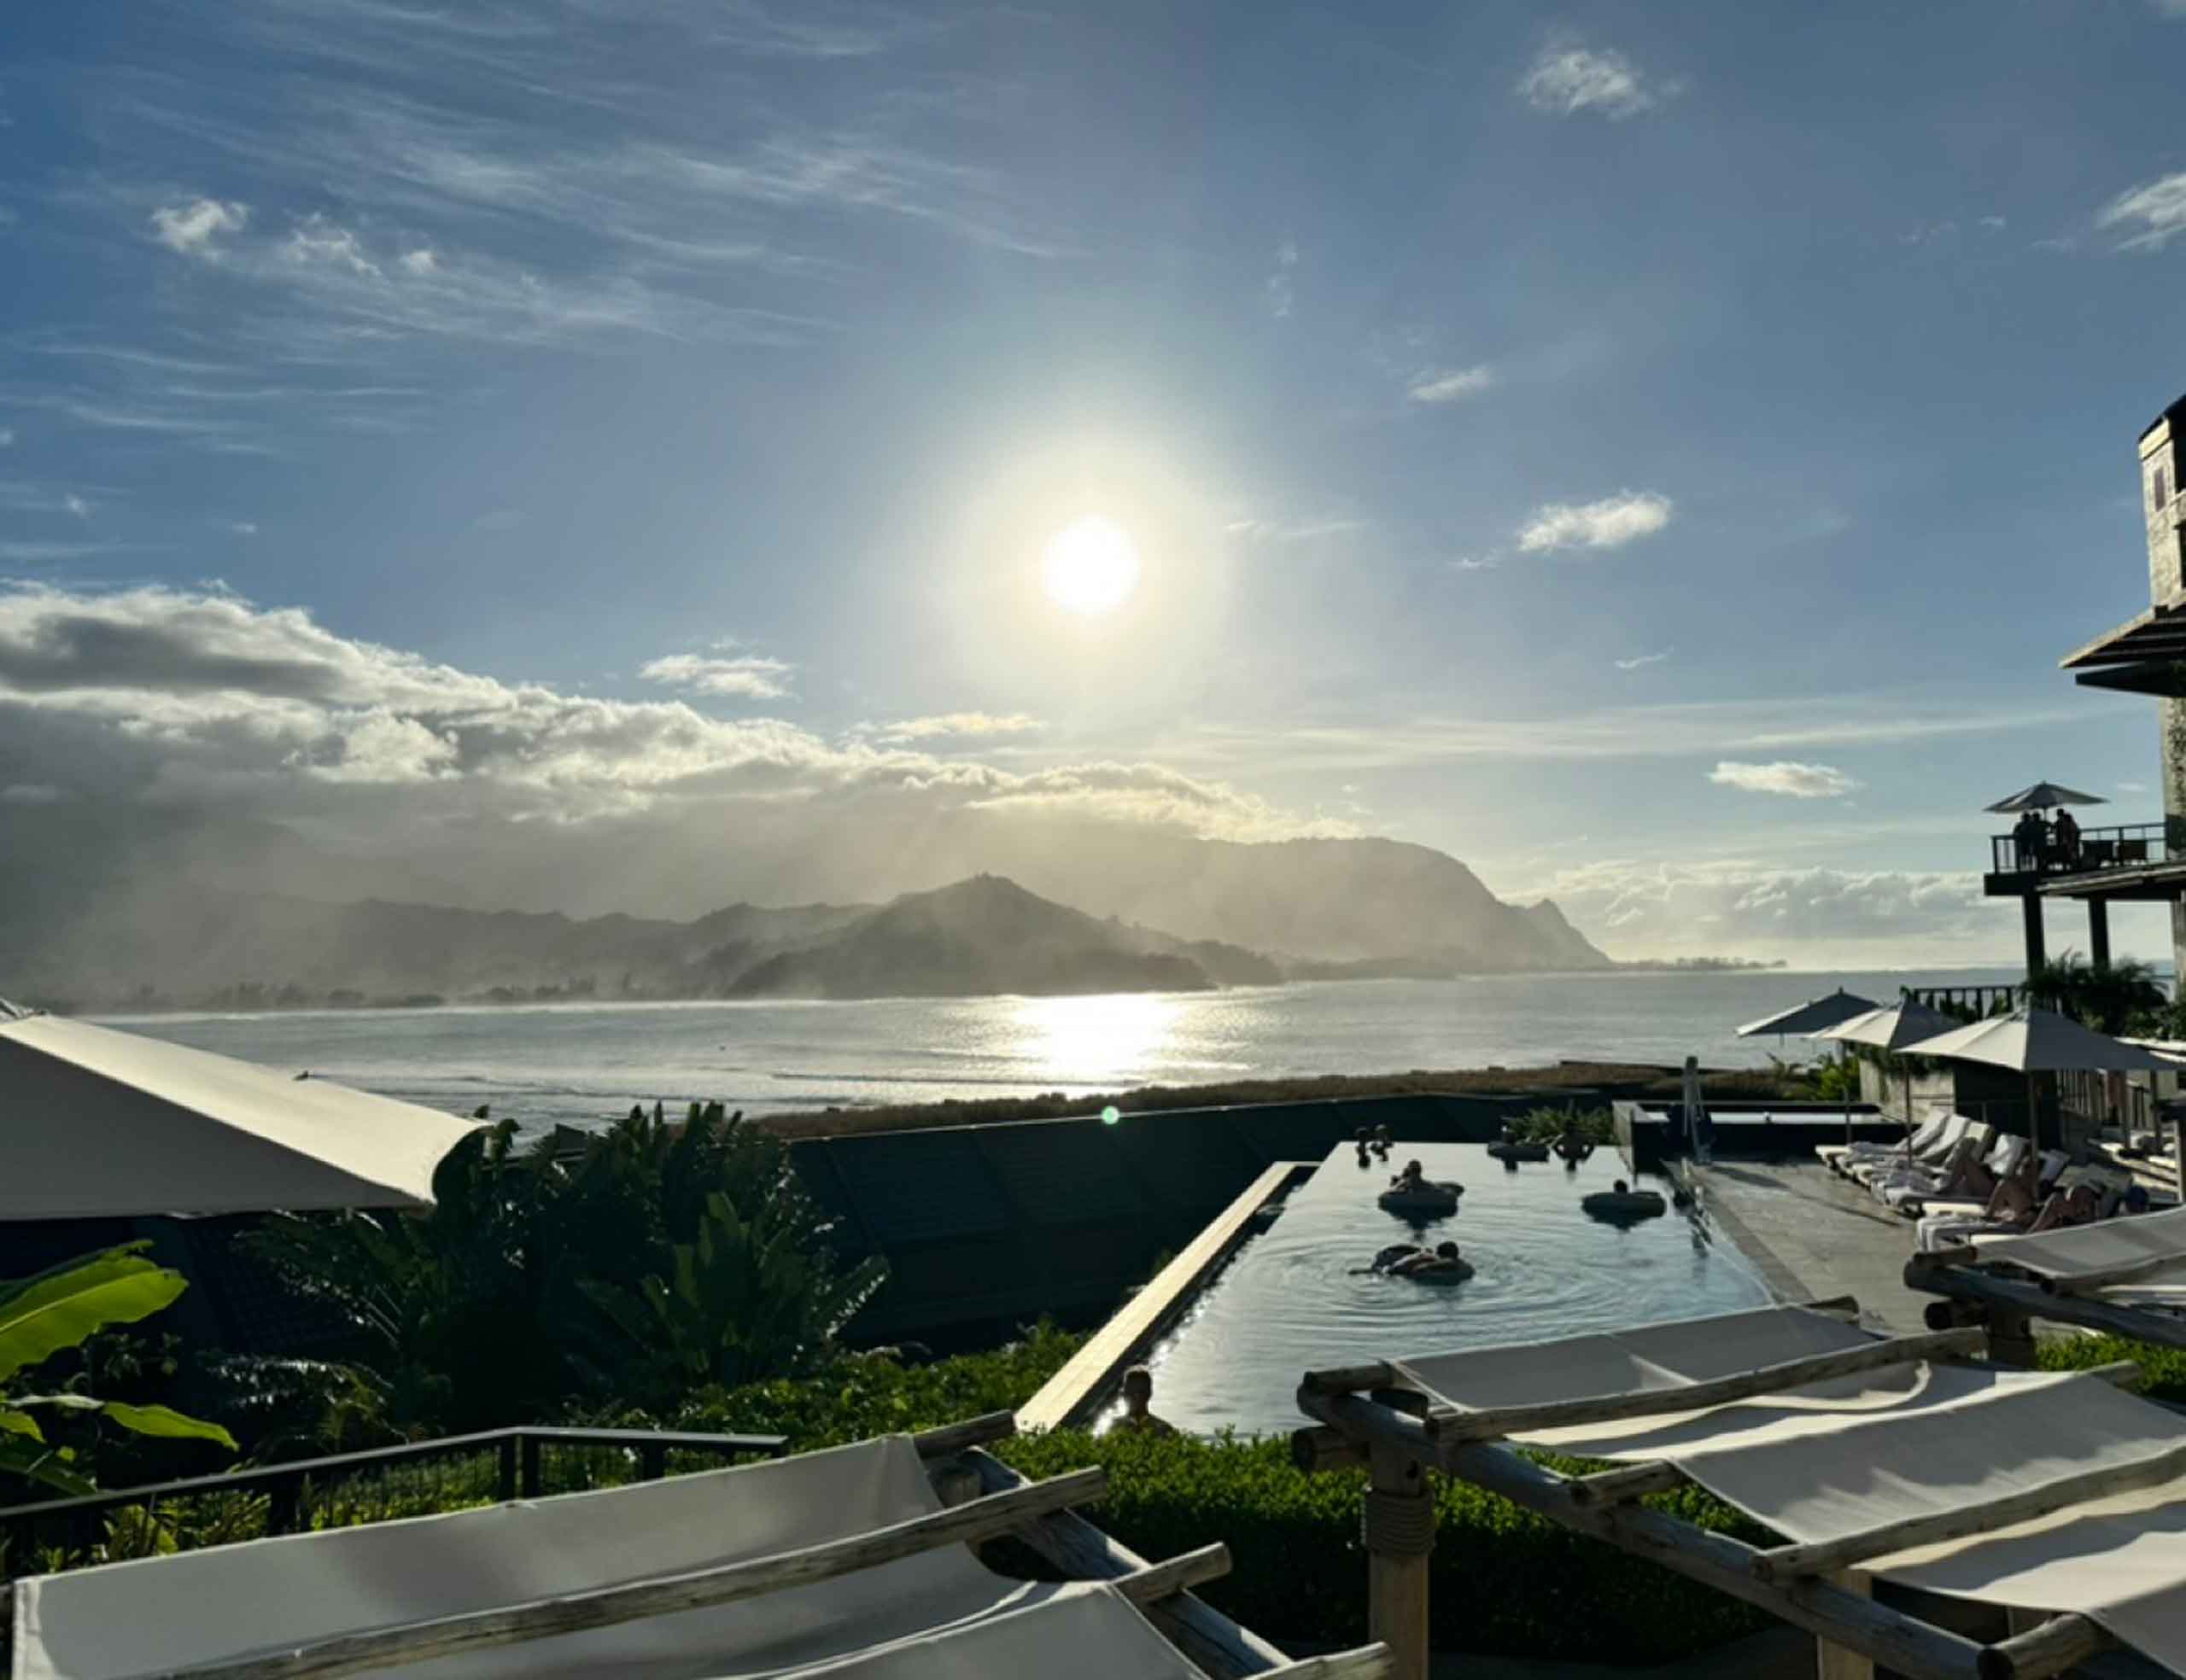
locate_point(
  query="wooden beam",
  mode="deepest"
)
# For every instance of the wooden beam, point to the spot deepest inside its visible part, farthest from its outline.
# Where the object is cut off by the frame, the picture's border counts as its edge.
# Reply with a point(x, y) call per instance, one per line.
point(1181, 1574)
point(1317, 1447)
point(1493, 1423)
point(1894, 1640)
point(1782, 1563)
point(1396, 1568)
point(955, 1437)
point(1351, 1379)
point(1071, 1396)
point(2139, 1324)
point(2062, 1643)
point(1613, 1487)
point(1081, 1552)
point(1367, 1662)
point(982, 1519)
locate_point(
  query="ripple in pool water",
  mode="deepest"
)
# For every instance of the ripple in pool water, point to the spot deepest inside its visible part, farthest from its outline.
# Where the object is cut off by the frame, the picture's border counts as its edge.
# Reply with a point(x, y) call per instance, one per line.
point(1543, 1269)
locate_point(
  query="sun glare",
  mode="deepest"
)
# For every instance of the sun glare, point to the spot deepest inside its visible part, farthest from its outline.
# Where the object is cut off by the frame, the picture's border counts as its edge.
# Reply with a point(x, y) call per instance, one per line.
point(1090, 567)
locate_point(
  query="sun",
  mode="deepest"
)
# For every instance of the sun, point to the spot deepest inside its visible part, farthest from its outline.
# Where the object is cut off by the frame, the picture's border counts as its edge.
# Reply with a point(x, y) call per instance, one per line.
point(1090, 566)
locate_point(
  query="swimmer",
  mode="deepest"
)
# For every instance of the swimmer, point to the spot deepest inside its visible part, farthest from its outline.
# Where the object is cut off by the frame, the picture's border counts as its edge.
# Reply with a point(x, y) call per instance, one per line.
point(1138, 1396)
point(1395, 1254)
point(1621, 1189)
point(1412, 1178)
point(1383, 1142)
point(1362, 1139)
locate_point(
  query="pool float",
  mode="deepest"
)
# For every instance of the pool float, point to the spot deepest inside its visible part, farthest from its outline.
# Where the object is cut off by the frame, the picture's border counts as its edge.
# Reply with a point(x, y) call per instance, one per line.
point(1449, 1272)
point(1518, 1152)
point(1631, 1205)
point(1430, 1197)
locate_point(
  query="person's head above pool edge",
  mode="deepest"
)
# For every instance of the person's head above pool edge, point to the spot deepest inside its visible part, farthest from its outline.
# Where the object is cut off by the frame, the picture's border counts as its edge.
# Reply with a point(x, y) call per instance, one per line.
point(1138, 1388)
point(1621, 1187)
point(1446, 1251)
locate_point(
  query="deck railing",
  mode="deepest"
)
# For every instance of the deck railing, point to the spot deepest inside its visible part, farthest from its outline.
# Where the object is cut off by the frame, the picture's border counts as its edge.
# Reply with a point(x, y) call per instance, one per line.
point(2120, 846)
point(349, 1488)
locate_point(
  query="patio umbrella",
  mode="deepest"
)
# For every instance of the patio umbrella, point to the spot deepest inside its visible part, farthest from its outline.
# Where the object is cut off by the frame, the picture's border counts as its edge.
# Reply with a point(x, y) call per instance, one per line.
point(1893, 1027)
point(2044, 796)
point(1809, 1019)
point(97, 1122)
point(2040, 1041)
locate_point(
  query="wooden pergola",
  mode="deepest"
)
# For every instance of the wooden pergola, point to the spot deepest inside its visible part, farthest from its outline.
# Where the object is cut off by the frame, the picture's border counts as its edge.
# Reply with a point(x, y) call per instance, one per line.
point(1368, 1414)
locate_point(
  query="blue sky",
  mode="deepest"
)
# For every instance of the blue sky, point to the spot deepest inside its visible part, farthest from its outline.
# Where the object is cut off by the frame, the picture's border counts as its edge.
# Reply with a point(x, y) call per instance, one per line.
point(1656, 454)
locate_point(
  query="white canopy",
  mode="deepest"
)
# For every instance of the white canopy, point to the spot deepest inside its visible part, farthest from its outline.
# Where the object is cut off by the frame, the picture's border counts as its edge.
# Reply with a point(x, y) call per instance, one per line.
point(1811, 1018)
point(95, 1122)
point(2040, 1041)
point(1898, 1026)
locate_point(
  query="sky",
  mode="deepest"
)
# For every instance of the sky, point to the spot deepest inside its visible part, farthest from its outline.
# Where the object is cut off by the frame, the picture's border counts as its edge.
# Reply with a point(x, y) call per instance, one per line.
point(1657, 455)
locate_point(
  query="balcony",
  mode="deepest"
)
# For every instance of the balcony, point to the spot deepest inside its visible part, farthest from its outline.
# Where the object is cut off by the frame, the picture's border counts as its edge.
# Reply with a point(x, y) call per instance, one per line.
point(2127, 860)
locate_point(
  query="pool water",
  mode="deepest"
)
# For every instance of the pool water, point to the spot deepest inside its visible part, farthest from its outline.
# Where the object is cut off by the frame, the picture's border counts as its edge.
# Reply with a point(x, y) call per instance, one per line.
point(1543, 1269)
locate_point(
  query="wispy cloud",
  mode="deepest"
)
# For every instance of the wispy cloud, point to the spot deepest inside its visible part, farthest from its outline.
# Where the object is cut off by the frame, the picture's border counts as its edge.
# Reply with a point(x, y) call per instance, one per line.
point(1441, 385)
point(1475, 562)
point(7, 437)
point(1281, 295)
point(747, 676)
point(1567, 78)
point(957, 726)
point(1639, 662)
point(195, 226)
point(2136, 787)
point(1304, 530)
point(2149, 217)
point(1610, 522)
point(243, 528)
point(1787, 777)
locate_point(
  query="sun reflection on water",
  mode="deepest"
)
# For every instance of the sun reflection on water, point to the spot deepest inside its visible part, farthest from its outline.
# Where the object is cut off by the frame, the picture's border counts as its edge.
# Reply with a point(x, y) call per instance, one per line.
point(1103, 1040)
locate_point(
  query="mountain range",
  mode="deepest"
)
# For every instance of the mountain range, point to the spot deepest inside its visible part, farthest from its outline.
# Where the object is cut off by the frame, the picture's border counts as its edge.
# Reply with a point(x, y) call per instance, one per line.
point(217, 919)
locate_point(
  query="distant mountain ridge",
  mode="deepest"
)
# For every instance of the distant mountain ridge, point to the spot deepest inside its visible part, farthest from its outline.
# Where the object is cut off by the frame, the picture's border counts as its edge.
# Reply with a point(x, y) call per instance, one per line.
point(252, 915)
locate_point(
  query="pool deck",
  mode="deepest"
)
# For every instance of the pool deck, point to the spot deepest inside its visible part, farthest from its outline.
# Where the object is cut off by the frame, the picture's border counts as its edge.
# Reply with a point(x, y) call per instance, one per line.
point(1813, 1235)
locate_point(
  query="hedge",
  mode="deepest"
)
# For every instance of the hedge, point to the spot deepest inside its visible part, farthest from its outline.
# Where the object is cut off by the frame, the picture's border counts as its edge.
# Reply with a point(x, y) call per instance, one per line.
point(2164, 1369)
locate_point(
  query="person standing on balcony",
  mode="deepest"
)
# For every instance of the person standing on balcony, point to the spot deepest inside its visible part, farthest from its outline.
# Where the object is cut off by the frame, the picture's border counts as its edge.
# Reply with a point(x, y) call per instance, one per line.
point(2026, 842)
point(2068, 838)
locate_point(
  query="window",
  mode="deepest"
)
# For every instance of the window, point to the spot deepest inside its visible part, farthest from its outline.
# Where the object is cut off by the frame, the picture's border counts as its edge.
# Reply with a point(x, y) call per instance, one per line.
point(2157, 490)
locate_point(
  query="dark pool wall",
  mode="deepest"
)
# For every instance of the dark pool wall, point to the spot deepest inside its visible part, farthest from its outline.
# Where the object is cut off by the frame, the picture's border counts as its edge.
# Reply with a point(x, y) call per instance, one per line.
point(988, 1228)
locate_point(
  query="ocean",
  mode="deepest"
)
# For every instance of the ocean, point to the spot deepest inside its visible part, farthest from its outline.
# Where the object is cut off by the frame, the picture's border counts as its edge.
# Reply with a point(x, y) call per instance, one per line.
point(585, 1064)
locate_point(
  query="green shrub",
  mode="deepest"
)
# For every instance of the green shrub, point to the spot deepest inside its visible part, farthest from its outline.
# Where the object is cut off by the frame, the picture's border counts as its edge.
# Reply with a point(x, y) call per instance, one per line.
point(2165, 1368)
point(1546, 1124)
point(1503, 1581)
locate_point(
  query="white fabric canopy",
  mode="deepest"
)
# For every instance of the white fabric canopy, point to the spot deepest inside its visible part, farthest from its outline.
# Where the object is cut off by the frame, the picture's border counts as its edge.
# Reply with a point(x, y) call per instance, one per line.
point(1840, 1458)
point(2040, 1041)
point(1809, 1018)
point(96, 1121)
point(154, 1615)
point(1896, 1027)
point(2081, 1250)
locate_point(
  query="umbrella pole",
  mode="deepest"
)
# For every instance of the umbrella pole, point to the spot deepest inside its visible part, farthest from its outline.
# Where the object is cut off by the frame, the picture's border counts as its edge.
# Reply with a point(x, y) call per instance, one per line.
point(2033, 1115)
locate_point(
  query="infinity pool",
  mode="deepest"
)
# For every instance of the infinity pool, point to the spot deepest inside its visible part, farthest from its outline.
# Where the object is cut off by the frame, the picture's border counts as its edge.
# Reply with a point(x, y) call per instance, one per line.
point(1544, 1269)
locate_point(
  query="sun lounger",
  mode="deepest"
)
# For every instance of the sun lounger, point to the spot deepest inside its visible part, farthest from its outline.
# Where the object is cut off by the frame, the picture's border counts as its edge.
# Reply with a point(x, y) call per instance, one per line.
point(1840, 1156)
point(1928, 1179)
point(2000, 1163)
point(1933, 1154)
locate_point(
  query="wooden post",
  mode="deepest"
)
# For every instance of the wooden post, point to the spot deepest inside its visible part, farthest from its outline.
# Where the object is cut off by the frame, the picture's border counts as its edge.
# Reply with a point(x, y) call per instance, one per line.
point(1400, 1534)
point(1837, 1662)
point(2011, 1339)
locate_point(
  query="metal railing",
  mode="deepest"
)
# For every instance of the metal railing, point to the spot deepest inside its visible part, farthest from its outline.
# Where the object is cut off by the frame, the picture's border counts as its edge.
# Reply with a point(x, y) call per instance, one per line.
point(414, 1479)
point(2121, 846)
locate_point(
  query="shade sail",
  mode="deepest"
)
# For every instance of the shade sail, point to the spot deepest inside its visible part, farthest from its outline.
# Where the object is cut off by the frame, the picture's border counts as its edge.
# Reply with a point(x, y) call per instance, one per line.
point(2040, 1041)
point(1896, 1027)
point(1813, 1017)
point(1858, 1452)
point(933, 1614)
point(98, 1122)
point(2043, 797)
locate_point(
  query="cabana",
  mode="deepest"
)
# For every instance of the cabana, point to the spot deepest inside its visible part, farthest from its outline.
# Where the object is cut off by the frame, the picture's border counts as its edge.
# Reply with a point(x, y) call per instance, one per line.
point(2125, 1276)
point(2051, 1495)
point(854, 1562)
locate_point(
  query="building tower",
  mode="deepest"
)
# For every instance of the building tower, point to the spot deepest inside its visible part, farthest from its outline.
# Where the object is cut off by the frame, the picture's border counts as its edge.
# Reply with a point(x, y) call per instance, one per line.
point(2163, 502)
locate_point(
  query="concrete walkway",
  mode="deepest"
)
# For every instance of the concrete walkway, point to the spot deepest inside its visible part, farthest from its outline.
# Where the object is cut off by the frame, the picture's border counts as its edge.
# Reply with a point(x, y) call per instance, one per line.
point(1814, 1235)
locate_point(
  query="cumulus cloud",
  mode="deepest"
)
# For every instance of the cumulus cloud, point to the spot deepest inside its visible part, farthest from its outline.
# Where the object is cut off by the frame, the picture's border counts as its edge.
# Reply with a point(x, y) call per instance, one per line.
point(1786, 776)
point(195, 228)
point(1610, 522)
point(945, 726)
point(1440, 385)
point(1567, 78)
point(2148, 217)
point(1738, 906)
point(201, 700)
point(747, 676)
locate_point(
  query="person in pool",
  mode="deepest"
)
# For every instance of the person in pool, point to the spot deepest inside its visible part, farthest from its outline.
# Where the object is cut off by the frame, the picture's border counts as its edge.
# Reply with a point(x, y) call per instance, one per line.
point(1139, 1399)
point(1443, 1261)
point(1412, 1178)
point(1364, 1140)
point(1383, 1142)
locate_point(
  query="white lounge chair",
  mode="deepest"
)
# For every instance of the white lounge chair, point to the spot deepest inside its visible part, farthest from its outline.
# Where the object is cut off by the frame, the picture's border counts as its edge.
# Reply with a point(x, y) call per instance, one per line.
point(1926, 1158)
point(2000, 1163)
point(1929, 1178)
point(1840, 1156)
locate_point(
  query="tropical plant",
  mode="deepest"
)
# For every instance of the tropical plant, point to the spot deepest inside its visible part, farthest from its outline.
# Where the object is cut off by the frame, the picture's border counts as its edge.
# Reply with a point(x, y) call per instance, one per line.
point(2114, 997)
point(493, 1307)
point(54, 1313)
point(1547, 1124)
